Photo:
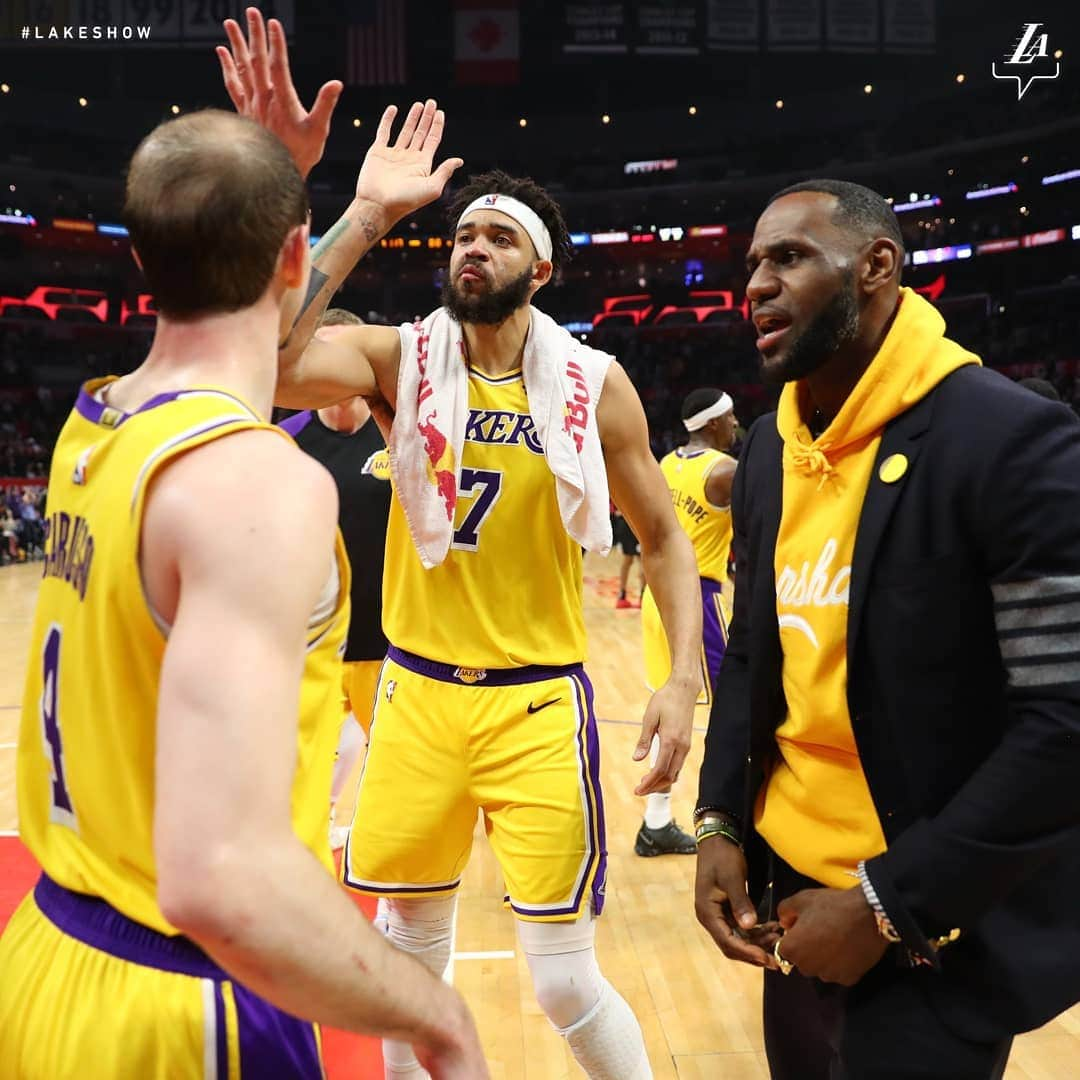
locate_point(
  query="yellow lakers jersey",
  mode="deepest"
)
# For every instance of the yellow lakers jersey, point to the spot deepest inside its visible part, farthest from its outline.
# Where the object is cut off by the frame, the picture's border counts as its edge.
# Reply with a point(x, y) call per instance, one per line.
point(88, 734)
point(509, 592)
point(708, 526)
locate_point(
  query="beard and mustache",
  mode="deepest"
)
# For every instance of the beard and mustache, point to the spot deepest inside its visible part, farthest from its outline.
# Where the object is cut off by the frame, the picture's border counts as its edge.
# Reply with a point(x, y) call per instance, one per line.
point(489, 306)
point(833, 327)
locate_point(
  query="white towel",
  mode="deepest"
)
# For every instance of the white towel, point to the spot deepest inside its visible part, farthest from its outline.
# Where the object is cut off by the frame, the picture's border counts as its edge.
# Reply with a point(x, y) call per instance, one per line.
point(563, 379)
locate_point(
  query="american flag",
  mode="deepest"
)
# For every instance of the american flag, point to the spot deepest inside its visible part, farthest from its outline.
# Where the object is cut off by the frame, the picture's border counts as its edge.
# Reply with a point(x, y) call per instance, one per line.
point(375, 43)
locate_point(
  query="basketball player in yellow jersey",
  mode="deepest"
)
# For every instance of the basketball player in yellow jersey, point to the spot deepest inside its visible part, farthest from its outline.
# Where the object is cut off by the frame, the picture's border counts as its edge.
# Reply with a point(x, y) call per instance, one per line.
point(699, 477)
point(483, 702)
point(187, 922)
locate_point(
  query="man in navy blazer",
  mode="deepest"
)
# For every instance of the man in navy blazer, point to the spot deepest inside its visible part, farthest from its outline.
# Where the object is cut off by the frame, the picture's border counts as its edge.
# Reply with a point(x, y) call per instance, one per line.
point(889, 804)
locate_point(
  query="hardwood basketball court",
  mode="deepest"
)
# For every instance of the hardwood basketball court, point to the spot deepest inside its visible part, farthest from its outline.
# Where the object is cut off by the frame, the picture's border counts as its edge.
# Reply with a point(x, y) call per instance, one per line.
point(700, 1013)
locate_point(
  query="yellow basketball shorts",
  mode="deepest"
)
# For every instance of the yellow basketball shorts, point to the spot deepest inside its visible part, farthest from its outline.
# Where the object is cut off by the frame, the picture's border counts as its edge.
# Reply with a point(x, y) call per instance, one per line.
point(359, 682)
point(518, 744)
point(86, 992)
point(716, 616)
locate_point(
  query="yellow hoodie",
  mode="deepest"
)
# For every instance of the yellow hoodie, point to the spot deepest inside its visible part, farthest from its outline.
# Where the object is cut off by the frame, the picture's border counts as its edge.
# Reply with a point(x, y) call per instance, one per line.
point(815, 810)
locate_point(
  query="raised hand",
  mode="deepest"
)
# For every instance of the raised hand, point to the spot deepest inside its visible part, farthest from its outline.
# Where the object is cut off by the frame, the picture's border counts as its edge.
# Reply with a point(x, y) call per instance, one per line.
point(400, 178)
point(258, 80)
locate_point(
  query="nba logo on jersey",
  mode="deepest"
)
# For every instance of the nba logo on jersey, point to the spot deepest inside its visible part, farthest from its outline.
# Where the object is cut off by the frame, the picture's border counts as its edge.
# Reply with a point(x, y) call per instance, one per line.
point(470, 675)
point(391, 686)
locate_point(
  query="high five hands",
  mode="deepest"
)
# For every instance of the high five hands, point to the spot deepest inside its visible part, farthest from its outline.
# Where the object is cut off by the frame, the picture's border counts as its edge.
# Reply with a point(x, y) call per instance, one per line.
point(399, 177)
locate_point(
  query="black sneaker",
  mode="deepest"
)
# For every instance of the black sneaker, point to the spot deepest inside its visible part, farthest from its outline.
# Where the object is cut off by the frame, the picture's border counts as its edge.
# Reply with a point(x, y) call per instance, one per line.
point(669, 839)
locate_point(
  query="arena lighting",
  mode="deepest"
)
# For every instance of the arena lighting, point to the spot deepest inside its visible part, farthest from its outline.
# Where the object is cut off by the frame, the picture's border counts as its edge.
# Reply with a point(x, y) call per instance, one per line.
point(605, 119)
point(708, 230)
point(1058, 54)
point(917, 204)
point(578, 239)
point(868, 88)
point(960, 78)
point(642, 238)
point(17, 219)
point(1076, 232)
point(313, 240)
point(356, 121)
point(613, 237)
point(112, 230)
point(73, 224)
point(1061, 177)
point(175, 110)
point(4, 88)
point(523, 122)
point(652, 165)
point(83, 102)
point(577, 327)
point(985, 193)
point(941, 254)
point(1024, 160)
point(779, 103)
point(692, 110)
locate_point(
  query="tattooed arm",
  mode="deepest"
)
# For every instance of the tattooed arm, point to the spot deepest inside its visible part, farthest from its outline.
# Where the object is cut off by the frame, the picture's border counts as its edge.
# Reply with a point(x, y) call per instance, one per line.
point(394, 181)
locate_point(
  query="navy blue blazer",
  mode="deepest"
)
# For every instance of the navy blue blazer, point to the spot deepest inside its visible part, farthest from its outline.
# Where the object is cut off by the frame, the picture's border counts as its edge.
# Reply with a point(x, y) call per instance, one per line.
point(963, 688)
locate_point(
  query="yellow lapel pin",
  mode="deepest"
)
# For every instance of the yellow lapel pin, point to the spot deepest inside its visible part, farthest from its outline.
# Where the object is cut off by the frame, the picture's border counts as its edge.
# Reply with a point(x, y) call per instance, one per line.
point(892, 468)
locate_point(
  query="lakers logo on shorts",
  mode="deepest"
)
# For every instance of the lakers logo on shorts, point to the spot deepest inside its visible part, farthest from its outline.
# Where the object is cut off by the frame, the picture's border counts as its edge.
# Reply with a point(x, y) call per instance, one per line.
point(470, 675)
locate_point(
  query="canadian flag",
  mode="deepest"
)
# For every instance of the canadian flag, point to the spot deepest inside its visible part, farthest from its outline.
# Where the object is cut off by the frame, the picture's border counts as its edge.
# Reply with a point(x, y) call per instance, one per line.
point(486, 41)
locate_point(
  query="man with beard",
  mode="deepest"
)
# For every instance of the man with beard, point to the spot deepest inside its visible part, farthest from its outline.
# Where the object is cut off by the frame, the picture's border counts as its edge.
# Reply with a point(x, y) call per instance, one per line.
point(896, 735)
point(483, 703)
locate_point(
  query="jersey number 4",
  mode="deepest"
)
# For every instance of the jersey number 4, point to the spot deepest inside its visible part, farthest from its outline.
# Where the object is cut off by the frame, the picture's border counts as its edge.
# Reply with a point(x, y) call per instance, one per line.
point(486, 483)
point(62, 811)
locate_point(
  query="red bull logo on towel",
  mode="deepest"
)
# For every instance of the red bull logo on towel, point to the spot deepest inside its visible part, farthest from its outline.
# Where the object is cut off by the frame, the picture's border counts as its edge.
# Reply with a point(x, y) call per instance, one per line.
point(440, 457)
point(576, 412)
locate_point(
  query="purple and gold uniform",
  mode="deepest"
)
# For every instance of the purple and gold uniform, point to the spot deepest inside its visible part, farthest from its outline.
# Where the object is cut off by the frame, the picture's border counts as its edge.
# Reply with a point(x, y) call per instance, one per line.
point(709, 529)
point(483, 703)
point(93, 978)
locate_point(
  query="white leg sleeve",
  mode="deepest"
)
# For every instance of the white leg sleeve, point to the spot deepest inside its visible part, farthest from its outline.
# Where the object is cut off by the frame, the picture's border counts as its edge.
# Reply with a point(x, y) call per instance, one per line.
point(423, 927)
point(350, 743)
point(600, 1028)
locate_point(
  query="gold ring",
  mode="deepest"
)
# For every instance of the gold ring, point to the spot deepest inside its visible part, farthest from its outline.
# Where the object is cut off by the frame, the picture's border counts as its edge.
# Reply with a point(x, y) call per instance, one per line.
point(786, 966)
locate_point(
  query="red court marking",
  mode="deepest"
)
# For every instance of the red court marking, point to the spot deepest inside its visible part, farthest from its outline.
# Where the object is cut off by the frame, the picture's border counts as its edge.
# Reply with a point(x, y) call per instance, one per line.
point(347, 1056)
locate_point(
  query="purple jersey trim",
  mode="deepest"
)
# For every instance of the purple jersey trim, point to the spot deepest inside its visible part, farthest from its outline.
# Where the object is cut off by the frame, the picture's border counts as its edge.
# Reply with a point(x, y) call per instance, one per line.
point(221, 1030)
point(296, 423)
point(89, 408)
point(479, 677)
point(595, 827)
point(273, 1044)
point(714, 630)
point(96, 923)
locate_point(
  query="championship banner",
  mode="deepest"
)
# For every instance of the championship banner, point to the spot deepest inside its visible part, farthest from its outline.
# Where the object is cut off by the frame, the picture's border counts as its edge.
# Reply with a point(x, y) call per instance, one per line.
point(668, 28)
point(794, 25)
point(910, 26)
point(595, 28)
point(852, 25)
point(733, 25)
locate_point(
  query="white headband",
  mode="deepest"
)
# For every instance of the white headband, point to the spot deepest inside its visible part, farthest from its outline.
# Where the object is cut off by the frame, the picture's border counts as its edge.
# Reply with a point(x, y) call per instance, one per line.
point(723, 404)
point(524, 215)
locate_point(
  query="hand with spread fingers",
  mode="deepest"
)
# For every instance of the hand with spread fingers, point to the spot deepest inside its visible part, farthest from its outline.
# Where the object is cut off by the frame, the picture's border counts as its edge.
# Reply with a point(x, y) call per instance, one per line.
point(724, 908)
point(258, 80)
point(400, 178)
point(830, 934)
point(669, 714)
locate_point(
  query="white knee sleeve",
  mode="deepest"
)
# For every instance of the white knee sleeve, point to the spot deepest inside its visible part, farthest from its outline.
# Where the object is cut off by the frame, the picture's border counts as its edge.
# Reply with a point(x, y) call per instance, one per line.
point(598, 1025)
point(423, 927)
